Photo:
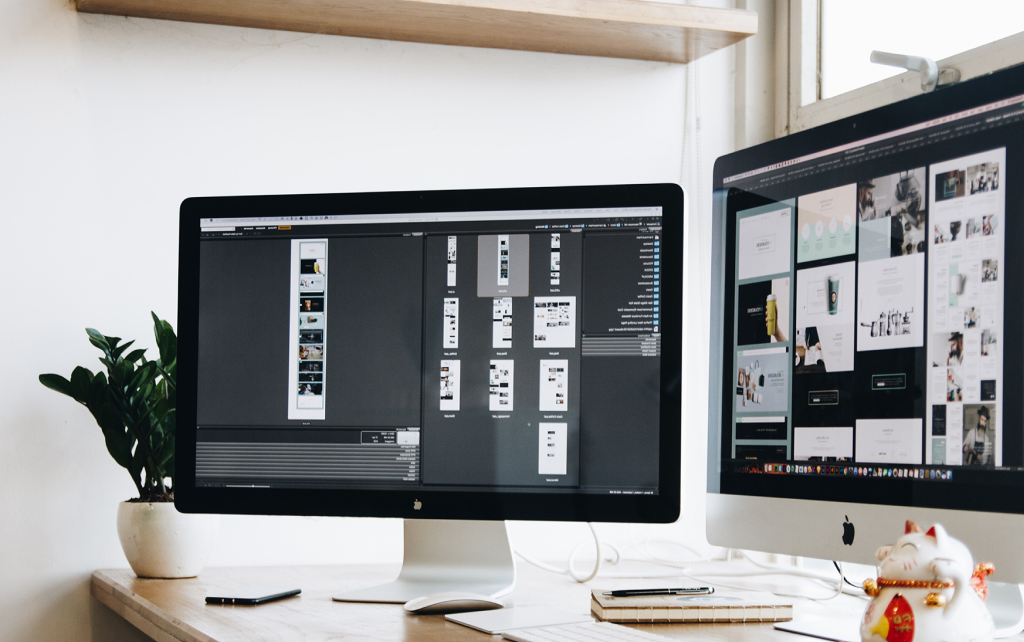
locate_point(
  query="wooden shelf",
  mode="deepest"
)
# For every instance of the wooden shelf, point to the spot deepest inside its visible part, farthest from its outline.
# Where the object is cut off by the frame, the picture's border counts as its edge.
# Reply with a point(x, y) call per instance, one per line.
point(612, 28)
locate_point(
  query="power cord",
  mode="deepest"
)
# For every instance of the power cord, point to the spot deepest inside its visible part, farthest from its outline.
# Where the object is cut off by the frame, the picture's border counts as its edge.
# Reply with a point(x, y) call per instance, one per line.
point(768, 569)
point(614, 558)
point(682, 568)
point(814, 575)
point(840, 569)
point(570, 570)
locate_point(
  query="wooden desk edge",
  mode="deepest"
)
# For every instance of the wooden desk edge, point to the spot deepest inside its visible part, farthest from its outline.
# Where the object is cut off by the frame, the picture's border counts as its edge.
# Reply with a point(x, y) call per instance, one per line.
point(141, 613)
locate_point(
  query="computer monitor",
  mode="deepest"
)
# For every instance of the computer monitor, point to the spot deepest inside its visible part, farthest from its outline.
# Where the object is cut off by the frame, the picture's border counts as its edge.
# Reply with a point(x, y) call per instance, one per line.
point(867, 315)
point(454, 358)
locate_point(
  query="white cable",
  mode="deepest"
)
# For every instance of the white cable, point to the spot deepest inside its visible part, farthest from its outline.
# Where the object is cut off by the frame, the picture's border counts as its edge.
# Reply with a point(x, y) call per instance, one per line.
point(597, 563)
point(682, 569)
point(786, 570)
point(827, 580)
point(763, 570)
point(715, 582)
point(842, 582)
point(749, 588)
point(541, 565)
point(570, 570)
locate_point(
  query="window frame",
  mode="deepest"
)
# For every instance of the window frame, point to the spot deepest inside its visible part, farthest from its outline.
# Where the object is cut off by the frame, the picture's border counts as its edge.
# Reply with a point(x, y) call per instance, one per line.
point(798, 28)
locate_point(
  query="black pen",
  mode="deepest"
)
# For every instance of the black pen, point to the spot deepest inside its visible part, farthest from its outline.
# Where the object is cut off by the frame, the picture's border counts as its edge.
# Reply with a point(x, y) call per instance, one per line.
point(691, 590)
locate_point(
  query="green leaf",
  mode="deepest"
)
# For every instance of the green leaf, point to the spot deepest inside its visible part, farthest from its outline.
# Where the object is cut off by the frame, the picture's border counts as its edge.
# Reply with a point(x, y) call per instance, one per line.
point(118, 351)
point(146, 391)
point(166, 341)
point(169, 349)
point(161, 407)
point(168, 383)
point(81, 381)
point(119, 449)
point(97, 339)
point(135, 355)
point(120, 372)
point(98, 393)
point(116, 397)
point(119, 442)
point(139, 376)
point(56, 382)
point(142, 400)
point(165, 454)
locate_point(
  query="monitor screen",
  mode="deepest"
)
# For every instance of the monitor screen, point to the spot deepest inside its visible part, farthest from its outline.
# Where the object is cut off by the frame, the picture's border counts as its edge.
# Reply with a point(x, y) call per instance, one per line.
point(871, 343)
point(501, 350)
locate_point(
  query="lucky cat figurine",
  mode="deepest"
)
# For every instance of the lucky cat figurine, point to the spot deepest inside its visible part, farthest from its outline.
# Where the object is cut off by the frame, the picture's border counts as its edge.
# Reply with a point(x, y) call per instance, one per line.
point(928, 590)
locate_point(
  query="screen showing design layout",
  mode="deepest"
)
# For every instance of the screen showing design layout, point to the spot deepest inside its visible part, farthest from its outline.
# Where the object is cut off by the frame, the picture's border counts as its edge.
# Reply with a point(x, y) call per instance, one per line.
point(506, 350)
point(870, 332)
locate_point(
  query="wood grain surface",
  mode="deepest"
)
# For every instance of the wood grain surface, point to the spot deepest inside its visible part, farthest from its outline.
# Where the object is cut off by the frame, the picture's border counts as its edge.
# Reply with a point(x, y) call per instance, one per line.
point(169, 610)
point(612, 28)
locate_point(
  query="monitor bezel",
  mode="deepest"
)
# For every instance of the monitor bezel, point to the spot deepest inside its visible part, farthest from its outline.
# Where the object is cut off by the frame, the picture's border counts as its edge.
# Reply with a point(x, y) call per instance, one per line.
point(905, 492)
point(422, 503)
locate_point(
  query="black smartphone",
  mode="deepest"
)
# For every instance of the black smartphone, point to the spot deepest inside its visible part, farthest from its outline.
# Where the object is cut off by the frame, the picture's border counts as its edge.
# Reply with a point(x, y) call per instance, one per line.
point(250, 597)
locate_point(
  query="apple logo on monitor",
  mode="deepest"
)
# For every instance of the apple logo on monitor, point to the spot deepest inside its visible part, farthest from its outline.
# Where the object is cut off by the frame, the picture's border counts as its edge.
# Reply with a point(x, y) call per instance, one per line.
point(417, 504)
point(848, 532)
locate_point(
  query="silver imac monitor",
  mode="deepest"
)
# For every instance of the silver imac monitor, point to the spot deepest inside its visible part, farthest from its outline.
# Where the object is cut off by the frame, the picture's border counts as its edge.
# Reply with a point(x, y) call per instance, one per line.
point(867, 322)
point(454, 358)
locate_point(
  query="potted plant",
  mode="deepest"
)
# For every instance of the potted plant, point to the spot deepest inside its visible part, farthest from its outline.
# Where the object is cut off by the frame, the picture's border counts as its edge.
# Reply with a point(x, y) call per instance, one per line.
point(134, 405)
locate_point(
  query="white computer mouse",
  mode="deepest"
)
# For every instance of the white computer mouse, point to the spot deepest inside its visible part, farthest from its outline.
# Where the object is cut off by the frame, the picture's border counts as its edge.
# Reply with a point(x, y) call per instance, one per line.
point(452, 602)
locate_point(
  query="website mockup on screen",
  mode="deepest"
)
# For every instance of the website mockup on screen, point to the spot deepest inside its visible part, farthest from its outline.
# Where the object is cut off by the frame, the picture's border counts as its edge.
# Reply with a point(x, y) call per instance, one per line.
point(869, 325)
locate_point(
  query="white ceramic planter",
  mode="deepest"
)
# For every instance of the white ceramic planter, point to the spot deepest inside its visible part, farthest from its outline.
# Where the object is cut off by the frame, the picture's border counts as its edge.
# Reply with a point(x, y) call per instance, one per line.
point(161, 542)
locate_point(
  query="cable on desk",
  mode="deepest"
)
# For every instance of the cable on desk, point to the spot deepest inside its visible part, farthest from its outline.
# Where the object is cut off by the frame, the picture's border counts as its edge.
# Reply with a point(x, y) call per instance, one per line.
point(648, 558)
point(571, 570)
point(839, 585)
point(682, 569)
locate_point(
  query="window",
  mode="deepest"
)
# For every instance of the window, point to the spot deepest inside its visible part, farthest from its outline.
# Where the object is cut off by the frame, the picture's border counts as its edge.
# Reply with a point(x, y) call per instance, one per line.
point(826, 45)
point(937, 30)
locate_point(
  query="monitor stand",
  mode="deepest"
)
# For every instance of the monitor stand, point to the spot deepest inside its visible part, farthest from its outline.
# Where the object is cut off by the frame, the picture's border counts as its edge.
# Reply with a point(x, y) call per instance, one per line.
point(1005, 603)
point(447, 555)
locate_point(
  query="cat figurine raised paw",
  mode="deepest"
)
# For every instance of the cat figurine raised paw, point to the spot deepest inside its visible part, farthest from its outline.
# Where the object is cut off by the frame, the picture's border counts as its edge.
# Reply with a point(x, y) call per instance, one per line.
point(928, 590)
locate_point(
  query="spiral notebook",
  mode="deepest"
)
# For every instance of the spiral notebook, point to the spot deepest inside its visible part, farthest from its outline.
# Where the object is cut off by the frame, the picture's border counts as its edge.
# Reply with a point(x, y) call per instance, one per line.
point(739, 606)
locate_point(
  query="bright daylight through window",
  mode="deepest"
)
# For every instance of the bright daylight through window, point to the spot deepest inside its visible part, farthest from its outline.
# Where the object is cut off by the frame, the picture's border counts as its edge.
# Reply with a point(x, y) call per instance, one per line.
point(936, 29)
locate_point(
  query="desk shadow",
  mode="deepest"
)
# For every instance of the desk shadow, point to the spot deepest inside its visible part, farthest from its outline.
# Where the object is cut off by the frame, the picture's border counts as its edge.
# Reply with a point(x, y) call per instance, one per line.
point(107, 626)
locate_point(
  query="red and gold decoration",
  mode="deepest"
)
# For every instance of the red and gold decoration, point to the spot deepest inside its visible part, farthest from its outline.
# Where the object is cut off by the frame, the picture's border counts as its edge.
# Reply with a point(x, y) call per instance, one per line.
point(897, 623)
point(981, 571)
point(978, 583)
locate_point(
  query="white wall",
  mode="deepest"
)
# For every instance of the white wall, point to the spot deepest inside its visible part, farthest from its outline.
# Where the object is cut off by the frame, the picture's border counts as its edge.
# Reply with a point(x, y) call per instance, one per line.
point(107, 123)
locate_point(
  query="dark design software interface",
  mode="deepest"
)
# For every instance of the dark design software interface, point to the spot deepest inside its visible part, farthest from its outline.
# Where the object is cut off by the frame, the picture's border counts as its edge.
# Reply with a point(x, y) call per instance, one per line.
point(870, 325)
point(456, 351)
